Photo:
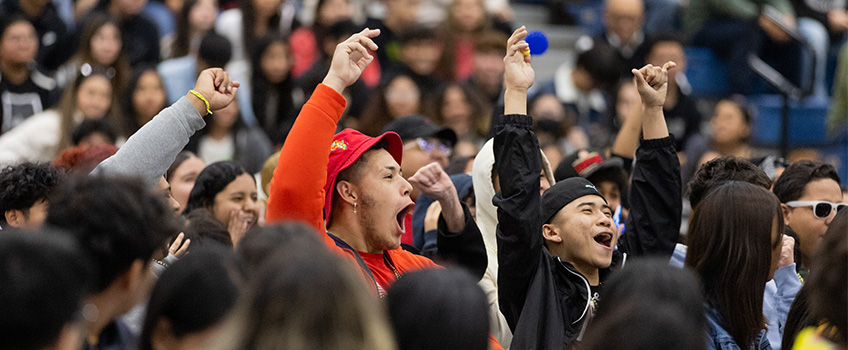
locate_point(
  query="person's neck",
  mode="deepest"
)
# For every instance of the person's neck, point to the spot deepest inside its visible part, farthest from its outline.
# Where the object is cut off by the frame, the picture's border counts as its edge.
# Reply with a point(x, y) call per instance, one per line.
point(588, 271)
point(103, 313)
point(15, 73)
point(261, 25)
point(347, 228)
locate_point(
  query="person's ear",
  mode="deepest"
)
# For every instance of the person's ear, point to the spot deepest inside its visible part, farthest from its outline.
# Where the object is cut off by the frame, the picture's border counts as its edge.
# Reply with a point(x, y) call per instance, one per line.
point(787, 213)
point(15, 218)
point(551, 233)
point(347, 191)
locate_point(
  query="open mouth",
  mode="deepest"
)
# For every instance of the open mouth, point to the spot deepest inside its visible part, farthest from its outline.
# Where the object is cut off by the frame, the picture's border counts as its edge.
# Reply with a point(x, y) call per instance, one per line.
point(401, 217)
point(604, 239)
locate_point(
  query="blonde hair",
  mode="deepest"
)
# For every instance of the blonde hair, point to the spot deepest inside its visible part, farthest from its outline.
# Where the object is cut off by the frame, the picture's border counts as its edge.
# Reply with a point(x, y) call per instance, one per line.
point(267, 172)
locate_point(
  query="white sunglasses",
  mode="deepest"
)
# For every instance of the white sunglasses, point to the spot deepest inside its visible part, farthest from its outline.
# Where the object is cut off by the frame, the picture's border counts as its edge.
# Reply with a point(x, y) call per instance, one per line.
point(821, 209)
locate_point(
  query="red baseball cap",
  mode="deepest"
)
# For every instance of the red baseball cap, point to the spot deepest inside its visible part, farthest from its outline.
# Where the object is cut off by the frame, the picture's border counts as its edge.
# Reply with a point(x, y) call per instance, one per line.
point(348, 145)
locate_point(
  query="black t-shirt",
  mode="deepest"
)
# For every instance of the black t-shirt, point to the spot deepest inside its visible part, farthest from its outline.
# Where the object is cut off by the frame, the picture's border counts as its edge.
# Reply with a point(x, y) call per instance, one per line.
point(19, 101)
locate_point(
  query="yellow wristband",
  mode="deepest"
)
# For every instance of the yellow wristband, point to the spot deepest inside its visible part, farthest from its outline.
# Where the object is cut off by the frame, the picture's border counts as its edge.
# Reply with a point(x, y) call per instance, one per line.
point(195, 93)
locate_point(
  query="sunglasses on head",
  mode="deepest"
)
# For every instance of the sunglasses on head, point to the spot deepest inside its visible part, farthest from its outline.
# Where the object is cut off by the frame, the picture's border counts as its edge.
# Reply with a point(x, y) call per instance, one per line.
point(821, 209)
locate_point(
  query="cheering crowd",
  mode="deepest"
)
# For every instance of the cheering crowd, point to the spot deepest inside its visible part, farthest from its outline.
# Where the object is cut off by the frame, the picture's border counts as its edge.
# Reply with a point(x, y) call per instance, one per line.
point(148, 210)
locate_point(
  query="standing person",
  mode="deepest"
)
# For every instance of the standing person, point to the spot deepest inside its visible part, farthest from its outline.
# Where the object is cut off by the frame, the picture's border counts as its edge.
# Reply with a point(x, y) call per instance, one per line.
point(557, 249)
point(24, 89)
point(358, 183)
point(810, 195)
point(732, 244)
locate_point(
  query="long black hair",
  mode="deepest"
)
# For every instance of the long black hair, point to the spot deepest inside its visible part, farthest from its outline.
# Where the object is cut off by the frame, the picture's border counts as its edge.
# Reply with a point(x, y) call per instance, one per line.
point(126, 99)
point(212, 180)
point(279, 125)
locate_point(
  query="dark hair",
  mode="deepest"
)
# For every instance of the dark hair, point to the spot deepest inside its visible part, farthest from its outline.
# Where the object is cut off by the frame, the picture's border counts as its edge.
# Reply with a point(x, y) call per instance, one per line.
point(602, 63)
point(793, 182)
point(215, 49)
point(90, 127)
point(664, 37)
point(800, 316)
point(439, 309)
point(115, 220)
point(288, 238)
point(93, 23)
point(339, 30)
point(276, 127)
point(481, 112)
point(24, 184)
point(248, 24)
point(194, 294)
point(213, 179)
point(650, 304)
point(181, 157)
point(203, 229)
point(721, 170)
point(729, 240)
point(376, 114)
point(126, 101)
point(827, 280)
point(417, 33)
point(45, 279)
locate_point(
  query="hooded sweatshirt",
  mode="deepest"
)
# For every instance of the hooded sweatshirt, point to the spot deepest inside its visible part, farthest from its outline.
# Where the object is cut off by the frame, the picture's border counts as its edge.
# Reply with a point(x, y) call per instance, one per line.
point(487, 222)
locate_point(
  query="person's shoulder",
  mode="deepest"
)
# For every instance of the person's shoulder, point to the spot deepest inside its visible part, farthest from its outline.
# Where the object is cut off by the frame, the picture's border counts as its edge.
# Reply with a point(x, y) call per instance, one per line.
point(42, 80)
point(406, 260)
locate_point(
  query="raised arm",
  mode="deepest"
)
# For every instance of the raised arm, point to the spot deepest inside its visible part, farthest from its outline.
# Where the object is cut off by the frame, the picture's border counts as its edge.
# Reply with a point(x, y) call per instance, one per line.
point(518, 163)
point(150, 151)
point(653, 226)
point(297, 187)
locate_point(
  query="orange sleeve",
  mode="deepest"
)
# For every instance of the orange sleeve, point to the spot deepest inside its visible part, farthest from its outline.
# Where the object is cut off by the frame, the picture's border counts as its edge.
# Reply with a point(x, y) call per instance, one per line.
point(297, 187)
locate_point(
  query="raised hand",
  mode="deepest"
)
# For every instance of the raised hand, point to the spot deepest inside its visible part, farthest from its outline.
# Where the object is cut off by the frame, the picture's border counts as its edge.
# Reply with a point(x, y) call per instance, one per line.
point(433, 181)
point(350, 59)
point(238, 225)
point(179, 246)
point(216, 87)
point(652, 83)
point(518, 75)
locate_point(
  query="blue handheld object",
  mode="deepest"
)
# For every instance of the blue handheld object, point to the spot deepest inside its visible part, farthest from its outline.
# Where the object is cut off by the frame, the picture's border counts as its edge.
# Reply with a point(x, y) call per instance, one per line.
point(538, 42)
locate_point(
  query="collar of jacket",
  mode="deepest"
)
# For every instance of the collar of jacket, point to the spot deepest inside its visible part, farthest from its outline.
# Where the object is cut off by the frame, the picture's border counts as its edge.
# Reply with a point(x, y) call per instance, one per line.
point(579, 284)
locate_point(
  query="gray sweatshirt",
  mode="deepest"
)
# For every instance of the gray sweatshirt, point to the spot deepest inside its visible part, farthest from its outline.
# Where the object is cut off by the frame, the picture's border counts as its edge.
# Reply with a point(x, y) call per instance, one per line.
point(149, 152)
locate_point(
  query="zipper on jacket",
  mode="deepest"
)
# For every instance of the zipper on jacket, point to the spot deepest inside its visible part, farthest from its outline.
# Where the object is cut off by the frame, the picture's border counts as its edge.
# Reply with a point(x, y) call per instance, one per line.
point(588, 290)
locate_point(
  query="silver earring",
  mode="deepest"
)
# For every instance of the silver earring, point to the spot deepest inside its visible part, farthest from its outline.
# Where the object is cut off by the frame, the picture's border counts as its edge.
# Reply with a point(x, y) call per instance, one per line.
point(354, 208)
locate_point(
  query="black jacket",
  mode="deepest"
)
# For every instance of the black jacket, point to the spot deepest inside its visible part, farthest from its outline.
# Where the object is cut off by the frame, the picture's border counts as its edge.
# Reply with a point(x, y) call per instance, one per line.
point(543, 298)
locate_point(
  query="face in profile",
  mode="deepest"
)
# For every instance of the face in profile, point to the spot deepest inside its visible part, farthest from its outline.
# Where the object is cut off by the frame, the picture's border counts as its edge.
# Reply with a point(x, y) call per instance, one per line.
point(182, 180)
point(803, 220)
point(384, 201)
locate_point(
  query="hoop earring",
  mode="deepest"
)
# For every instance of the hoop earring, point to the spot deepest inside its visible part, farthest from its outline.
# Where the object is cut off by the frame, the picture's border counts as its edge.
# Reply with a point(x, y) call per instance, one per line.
point(354, 208)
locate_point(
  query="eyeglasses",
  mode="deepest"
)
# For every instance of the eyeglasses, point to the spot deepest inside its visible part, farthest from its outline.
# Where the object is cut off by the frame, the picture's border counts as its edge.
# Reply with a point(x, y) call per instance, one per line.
point(430, 145)
point(821, 209)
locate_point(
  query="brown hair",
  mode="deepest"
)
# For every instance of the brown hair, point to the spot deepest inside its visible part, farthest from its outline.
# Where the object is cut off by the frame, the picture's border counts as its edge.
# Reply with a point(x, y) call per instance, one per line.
point(68, 107)
point(481, 112)
point(730, 249)
point(83, 54)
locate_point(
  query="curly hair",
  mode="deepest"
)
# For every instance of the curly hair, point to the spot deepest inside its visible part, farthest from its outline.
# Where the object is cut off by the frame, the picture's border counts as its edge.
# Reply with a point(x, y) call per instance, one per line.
point(24, 184)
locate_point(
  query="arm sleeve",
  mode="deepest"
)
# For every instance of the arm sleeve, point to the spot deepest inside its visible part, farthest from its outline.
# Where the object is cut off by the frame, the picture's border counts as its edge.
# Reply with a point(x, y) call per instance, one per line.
point(150, 151)
point(297, 187)
point(656, 201)
point(518, 161)
point(464, 248)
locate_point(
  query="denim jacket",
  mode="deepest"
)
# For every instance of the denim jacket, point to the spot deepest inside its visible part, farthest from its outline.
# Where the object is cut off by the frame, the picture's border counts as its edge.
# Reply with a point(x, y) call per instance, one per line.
point(719, 339)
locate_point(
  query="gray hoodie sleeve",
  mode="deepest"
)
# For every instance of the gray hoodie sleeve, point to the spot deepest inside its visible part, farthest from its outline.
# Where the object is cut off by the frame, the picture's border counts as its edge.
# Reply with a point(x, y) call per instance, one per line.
point(150, 151)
